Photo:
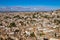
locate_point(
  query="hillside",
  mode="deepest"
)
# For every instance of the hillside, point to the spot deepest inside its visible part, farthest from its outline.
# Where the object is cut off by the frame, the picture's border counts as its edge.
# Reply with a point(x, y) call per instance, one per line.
point(30, 25)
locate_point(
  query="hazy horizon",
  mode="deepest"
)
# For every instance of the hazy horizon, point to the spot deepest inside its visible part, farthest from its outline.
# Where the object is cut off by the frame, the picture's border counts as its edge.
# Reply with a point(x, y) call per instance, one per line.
point(39, 4)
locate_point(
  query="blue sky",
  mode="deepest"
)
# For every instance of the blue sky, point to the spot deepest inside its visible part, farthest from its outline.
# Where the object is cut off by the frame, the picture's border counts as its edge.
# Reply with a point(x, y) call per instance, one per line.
point(47, 3)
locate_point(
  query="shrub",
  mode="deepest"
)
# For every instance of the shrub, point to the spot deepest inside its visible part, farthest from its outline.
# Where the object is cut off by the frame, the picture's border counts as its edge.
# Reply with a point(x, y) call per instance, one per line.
point(1, 24)
point(12, 24)
point(41, 34)
point(34, 15)
point(58, 16)
point(7, 17)
point(1, 38)
point(17, 16)
point(9, 38)
point(32, 34)
point(57, 21)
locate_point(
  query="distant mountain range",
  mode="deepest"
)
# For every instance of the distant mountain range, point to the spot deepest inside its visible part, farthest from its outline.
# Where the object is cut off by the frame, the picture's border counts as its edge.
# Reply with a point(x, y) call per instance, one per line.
point(23, 9)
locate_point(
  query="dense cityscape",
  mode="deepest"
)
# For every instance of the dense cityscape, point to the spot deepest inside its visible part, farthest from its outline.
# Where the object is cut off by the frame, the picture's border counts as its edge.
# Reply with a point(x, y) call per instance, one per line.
point(30, 25)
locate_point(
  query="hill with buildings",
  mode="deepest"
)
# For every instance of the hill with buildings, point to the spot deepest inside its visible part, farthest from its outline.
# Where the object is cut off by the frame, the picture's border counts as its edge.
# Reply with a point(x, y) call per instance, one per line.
point(44, 25)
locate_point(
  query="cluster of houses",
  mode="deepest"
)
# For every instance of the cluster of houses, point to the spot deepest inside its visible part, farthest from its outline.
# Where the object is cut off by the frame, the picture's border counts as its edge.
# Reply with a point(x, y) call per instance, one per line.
point(30, 25)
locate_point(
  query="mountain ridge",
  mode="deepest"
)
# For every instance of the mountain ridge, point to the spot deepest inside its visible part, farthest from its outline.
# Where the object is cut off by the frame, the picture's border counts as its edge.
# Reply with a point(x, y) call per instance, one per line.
point(23, 9)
